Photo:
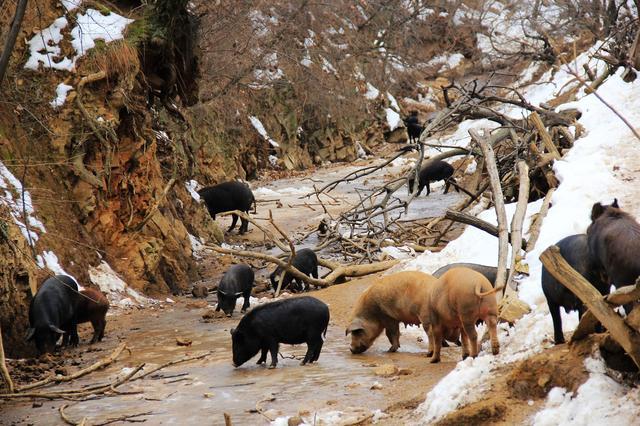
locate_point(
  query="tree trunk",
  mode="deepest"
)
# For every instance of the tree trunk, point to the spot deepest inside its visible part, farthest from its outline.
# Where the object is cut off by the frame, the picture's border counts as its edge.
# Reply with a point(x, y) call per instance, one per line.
point(12, 36)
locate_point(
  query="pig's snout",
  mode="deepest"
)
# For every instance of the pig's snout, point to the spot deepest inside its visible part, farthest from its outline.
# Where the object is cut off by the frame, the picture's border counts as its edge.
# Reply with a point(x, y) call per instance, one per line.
point(357, 349)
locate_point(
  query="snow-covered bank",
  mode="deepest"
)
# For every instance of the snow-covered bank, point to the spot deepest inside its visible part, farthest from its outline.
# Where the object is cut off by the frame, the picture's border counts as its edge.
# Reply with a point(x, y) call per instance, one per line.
point(597, 168)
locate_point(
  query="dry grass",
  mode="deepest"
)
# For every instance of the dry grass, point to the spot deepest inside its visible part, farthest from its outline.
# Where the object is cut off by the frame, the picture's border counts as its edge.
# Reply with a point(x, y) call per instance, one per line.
point(116, 59)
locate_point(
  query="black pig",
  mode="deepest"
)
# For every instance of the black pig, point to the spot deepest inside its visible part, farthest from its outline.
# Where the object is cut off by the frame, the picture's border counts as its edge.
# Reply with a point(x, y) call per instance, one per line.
point(614, 243)
point(52, 313)
point(489, 272)
point(414, 129)
point(236, 282)
point(575, 251)
point(291, 321)
point(93, 307)
point(433, 172)
point(228, 196)
point(304, 261)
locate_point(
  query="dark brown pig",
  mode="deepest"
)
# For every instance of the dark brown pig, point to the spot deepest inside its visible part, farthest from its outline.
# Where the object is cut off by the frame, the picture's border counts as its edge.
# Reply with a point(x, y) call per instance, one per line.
point(390, 300)
point(614, 243)
point(93, 306)
point(456, 301)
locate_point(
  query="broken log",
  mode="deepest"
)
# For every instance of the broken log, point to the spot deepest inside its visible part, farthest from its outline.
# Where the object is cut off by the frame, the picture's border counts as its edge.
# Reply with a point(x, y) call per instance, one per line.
point(619, 297)
point(338, 271)
point(516, 224)
point(544, 135)
point(627, 337)
point(3, 367)
point(476, 222)
point(498, 200)
point(534, 230)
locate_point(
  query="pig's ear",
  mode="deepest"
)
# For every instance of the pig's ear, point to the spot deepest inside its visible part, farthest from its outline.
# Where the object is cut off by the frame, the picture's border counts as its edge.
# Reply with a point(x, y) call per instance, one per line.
point(56, 329)
point(615, 203)
point(355, 326)
point(30, 333)
point(596, 211)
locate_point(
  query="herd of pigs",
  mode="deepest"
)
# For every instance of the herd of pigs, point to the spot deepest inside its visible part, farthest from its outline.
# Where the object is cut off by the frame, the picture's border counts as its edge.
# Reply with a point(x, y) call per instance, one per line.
point(448, 304)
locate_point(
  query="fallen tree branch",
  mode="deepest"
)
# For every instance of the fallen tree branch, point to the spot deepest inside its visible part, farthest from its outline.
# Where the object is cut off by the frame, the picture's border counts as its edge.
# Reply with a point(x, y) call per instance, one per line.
point(478, 223)
point(516, 224)
point(60, 379)
point(124, 418)
point(627, 337)
point(338, 271)
point(3, 366)
point(534, 230)
point(498, 200)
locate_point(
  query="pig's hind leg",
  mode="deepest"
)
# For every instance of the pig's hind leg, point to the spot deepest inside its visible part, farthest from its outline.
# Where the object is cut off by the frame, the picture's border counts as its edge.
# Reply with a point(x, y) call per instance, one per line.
point(469, 329)
point(492, 324)
point(438, 334)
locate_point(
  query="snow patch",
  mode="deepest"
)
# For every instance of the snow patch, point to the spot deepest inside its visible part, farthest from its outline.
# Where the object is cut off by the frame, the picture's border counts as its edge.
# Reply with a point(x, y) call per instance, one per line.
point(20, 207)
point(44, 46)
point(393, 119)
point(257, 124)
point(372, 92)
point(608, 402)
point(114, 287)
point(192, 187)
point(61, 91)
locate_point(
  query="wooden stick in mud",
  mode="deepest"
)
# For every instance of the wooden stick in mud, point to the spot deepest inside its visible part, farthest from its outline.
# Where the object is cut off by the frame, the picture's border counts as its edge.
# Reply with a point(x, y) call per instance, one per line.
point(3, 366)
point(627, 337)
point(227, 419)
point(124, 418)
point(59, 379)
point(516, 223)
point(498, 200)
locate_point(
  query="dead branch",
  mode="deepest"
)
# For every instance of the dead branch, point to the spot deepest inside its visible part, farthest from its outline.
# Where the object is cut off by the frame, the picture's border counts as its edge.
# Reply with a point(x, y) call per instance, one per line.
point(60, 379)
point(498, 199)
point(544, 134)
point(534, 230)
point(3, 366)
point(76, 394)
point(125, 418)
point(479, 223)
point(516, 225)
point(627, 337)
point(266, 232)
point(338, 271)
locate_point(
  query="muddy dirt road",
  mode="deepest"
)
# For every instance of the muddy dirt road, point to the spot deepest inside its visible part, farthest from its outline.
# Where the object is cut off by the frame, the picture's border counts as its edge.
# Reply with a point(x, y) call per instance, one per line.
point(340, 389)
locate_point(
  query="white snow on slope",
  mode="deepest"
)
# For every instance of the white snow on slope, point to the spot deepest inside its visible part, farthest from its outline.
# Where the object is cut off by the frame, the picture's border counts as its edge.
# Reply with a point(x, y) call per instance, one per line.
point(20, 207)
point(393, 119)
point(257, 124)
point(61, 91)
point(193, 186)
point(588, 173)
point(608, 402)
point(114, 287)
point(372, 92)
point(45, 49)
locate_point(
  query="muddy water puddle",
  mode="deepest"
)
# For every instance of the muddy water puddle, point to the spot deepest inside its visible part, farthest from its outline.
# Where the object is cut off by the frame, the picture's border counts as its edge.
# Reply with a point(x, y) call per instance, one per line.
point(199, 392)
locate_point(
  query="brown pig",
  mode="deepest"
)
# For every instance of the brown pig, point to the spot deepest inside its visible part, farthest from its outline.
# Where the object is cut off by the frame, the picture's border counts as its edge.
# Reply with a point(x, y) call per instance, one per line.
point(456, 301)
point(93, 306)
point(390, 300)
